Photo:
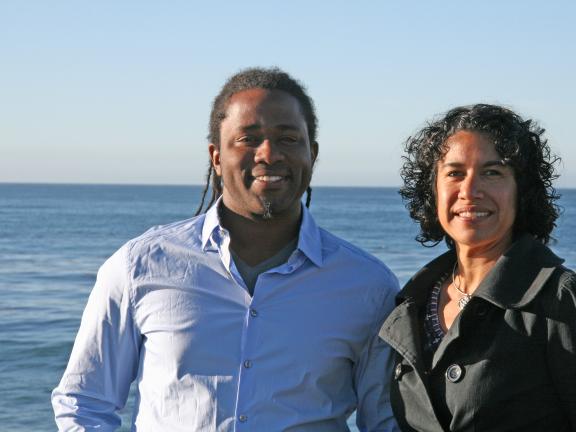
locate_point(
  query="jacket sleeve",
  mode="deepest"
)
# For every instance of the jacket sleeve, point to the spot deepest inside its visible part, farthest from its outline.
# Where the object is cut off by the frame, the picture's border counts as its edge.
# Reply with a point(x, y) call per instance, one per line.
point(104, 359)
point(562, 346)
point(373, 373)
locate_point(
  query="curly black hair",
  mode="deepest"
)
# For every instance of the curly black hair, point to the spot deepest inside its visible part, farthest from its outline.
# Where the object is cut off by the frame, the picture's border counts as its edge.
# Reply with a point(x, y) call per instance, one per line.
point(520, 142)
point(269, 79)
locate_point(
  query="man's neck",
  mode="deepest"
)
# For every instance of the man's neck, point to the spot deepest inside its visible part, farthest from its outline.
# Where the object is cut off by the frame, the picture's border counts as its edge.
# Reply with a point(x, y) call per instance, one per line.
point(255, 240)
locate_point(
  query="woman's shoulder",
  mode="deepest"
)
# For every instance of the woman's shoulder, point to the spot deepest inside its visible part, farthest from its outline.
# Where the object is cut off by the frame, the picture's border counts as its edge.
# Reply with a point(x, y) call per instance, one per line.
point(566, 283)
point(558, 298)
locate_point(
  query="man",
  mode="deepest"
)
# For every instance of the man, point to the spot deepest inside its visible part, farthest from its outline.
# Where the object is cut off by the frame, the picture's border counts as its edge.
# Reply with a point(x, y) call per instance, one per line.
point(248, 317)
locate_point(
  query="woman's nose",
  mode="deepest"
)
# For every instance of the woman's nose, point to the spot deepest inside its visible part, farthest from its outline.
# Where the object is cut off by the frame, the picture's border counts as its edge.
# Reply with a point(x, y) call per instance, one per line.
point(470, 188)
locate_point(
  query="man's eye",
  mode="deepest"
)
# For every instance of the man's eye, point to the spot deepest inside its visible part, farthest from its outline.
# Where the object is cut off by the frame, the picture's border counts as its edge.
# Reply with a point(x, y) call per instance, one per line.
point(287, 139)
point(248, 139)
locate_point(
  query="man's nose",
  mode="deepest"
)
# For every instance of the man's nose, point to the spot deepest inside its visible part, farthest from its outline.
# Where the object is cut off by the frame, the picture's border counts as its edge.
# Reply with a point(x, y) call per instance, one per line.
point(268, 152)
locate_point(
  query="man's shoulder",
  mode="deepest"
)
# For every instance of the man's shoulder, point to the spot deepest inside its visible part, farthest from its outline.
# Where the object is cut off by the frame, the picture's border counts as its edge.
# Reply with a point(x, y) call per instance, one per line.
point(356, 271)
point(334, 245)
point(163, 241)
point(187, 230)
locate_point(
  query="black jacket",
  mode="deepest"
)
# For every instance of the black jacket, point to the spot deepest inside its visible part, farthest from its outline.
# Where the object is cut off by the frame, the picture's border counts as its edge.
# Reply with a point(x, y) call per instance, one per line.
point(508, 363)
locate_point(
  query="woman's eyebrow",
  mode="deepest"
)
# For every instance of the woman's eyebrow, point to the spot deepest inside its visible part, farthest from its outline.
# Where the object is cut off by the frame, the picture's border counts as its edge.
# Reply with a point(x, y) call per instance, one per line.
point(454, 164)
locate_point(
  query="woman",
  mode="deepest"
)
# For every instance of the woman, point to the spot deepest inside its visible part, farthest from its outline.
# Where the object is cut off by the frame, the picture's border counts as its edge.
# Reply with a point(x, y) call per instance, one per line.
point(485, 334)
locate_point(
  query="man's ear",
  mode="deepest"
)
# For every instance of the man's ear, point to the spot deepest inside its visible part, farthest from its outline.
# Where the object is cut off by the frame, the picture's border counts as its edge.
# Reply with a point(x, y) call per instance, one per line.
point(215, 158)
point(314, 151)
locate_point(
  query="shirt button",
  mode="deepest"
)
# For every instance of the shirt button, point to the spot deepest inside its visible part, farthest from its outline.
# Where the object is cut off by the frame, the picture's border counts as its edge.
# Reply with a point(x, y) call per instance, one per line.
point(454, 373)
point(243, 418)
point(247, 364)
point(253, 313)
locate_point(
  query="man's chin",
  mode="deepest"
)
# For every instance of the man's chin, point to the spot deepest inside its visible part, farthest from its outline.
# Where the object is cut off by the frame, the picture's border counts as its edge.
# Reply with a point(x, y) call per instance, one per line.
point(274, 207)
point(267, 209)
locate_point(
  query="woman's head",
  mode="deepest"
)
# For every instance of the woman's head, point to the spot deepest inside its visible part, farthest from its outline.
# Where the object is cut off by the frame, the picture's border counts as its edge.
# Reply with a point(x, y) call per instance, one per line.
point(521, 151)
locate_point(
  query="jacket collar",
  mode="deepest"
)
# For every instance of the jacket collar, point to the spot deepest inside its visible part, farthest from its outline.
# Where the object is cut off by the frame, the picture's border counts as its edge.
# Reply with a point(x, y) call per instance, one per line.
point(519, 275)
point(513, 282)
point(417, 288)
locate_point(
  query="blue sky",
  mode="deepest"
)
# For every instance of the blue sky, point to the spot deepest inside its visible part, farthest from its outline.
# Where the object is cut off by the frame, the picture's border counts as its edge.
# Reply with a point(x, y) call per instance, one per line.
point(120, 91)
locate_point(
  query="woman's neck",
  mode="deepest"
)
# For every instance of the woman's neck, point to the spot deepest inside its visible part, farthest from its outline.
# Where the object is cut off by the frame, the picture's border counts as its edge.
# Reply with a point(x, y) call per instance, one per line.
point(475, 262)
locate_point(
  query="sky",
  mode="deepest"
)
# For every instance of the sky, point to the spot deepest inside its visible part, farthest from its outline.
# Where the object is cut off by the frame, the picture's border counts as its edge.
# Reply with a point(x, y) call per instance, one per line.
point(121, 91)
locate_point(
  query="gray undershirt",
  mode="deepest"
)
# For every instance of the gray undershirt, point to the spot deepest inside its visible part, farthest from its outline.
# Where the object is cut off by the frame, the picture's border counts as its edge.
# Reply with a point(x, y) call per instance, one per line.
point(250, 274)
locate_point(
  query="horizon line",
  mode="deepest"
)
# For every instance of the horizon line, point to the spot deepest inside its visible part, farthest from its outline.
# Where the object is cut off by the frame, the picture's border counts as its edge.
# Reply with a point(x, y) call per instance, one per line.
point(57, 183)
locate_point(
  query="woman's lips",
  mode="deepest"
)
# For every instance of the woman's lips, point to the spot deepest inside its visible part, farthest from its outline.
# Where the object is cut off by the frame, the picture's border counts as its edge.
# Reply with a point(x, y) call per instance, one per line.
point(472, 214)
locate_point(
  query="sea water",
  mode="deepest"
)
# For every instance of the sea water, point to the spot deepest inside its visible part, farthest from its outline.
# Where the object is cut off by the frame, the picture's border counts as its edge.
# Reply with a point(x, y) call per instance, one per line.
point(53, 238)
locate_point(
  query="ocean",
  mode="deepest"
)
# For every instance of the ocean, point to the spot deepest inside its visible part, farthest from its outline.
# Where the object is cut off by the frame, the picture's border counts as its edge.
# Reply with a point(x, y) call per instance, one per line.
point(53, 238)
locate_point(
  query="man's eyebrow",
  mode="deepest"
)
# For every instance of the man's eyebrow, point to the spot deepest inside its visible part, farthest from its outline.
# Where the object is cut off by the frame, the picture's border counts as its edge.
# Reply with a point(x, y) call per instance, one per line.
point(250, 127)
point(256, 126)
point(286, 127)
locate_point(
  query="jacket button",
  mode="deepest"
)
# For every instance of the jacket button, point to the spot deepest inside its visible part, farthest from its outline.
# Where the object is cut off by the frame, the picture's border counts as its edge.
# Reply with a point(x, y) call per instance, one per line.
point(454, 373)
point(398, 371)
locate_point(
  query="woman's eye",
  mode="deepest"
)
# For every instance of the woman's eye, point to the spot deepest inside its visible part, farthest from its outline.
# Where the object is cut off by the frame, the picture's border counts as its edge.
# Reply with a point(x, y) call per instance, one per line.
point(454, 174)
point(492, 173)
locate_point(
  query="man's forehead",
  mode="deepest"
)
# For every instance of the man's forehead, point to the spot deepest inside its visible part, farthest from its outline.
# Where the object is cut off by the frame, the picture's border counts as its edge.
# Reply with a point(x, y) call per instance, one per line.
point(255, 106)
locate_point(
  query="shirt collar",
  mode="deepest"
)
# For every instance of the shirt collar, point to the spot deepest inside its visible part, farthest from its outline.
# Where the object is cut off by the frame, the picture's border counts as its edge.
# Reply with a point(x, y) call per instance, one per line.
point(309, 238)
point(211, 224)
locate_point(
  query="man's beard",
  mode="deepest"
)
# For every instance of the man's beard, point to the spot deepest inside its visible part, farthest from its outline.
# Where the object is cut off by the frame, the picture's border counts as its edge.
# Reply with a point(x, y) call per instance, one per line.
point(267, 215)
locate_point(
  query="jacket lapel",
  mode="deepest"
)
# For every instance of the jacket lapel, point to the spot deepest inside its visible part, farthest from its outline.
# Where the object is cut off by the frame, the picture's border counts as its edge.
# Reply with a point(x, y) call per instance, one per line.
point(519, 274)
point(402, 330)
point(513, 282)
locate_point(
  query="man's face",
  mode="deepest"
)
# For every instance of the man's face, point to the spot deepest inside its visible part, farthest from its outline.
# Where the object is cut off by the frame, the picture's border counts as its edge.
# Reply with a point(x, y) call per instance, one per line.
point(265, 156)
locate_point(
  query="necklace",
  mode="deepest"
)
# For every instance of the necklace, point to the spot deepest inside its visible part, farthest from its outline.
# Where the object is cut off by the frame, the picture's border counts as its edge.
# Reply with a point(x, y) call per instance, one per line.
point(465, 296)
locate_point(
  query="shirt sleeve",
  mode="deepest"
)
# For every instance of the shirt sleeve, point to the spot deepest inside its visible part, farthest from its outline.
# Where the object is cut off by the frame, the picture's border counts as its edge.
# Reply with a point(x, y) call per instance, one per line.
point(373, 374)
point(104, 359)
point(562, 348)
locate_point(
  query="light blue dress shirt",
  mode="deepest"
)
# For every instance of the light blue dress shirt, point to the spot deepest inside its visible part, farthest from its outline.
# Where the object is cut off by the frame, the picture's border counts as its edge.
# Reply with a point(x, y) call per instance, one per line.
point(170, 310)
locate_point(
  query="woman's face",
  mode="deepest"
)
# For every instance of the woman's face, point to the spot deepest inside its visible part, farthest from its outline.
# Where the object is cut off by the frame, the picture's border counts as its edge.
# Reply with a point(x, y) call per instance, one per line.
point(475, 192)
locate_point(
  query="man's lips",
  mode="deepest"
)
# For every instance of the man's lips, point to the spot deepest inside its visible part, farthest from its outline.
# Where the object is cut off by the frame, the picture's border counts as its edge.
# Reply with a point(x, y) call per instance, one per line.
point(269, 178)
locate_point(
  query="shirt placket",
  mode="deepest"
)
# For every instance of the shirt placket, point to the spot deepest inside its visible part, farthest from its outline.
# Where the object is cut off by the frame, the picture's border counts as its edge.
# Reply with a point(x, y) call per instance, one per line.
point(247, 368)
point(250, 331)
point(254, 320)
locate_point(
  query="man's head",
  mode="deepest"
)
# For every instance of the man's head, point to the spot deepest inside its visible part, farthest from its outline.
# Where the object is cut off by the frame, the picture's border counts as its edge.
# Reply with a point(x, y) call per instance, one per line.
point(262, 142)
